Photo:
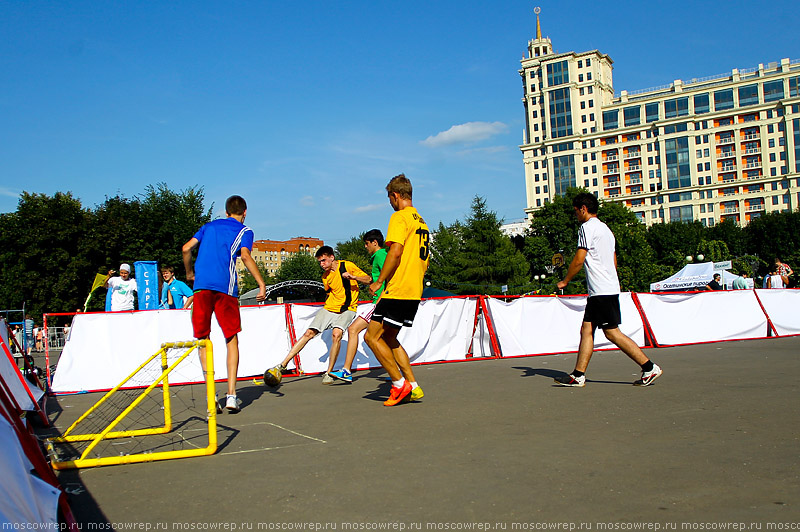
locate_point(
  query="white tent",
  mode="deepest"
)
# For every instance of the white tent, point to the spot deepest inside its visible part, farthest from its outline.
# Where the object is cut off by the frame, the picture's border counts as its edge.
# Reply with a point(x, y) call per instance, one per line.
point(689, 277)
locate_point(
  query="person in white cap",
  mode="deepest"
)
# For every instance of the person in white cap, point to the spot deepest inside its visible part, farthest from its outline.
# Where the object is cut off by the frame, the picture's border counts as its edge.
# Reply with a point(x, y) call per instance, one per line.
point(122, 288)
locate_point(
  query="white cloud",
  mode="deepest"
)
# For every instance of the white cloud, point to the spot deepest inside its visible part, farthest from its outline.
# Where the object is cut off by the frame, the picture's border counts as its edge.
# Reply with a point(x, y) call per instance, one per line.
point(307, 201)
point(370, 208)
point(9, 192)
point(465, 134)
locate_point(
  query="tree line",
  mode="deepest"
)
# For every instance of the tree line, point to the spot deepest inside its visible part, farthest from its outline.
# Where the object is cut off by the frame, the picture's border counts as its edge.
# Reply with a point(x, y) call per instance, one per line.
point(51, 247)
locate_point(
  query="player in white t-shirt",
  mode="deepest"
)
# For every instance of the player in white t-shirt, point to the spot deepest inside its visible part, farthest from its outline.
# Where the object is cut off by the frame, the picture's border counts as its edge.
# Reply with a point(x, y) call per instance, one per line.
point(596, 252)
point(122, 288)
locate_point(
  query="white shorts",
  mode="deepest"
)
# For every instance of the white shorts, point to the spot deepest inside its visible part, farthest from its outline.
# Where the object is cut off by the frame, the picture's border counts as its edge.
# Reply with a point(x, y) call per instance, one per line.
point(325, 319)
point(365, 311)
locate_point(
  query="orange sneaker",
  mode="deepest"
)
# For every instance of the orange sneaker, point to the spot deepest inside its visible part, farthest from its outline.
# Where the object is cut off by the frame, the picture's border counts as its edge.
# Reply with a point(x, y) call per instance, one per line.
point(398, 394)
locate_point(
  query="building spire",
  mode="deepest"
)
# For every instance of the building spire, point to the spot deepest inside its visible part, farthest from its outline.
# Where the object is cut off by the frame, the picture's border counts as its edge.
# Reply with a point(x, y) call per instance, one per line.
point(538, 10)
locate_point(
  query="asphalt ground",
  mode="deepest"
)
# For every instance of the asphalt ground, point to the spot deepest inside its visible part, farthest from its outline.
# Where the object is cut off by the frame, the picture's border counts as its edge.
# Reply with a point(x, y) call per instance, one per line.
point(712, 444)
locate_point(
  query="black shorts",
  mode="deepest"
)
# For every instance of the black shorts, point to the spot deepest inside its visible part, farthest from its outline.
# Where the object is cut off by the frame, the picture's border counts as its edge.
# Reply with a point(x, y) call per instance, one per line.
point(396, 312)
point(603, 311)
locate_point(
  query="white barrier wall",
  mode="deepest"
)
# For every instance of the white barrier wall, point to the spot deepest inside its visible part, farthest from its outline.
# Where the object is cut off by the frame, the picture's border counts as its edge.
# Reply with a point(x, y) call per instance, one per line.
point(26, 501)
point(689, 318)
point(545, 324)
point(781, 306)
point(442, 331)
point(104, 348)
point(24, 393)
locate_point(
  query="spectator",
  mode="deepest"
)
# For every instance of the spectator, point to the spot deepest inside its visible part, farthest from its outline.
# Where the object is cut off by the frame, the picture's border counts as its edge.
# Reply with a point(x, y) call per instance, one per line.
point(174, 293)
point(714, 284)
point(122, 288)
point(740, 283)
point(775, 279)
point(28, 345)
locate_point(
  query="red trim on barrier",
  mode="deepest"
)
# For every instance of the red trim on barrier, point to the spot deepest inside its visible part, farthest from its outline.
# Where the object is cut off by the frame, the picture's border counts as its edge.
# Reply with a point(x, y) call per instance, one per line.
point(474, 327)
point(293, 337)
point(649, 336)
point(493, 340)
point(24, 381)
point(770, 325)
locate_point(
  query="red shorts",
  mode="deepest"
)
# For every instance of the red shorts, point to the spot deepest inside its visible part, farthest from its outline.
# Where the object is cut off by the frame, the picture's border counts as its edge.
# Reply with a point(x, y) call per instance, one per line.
point(225, 307)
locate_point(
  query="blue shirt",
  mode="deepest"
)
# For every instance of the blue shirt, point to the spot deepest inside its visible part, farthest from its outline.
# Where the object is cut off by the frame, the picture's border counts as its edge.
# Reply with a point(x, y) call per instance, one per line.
point(180, 291)
point(221, 242)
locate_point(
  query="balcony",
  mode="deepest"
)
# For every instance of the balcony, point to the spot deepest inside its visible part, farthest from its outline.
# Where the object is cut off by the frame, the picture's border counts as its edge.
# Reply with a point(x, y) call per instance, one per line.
point(729, 178)
point(751, 151)
point(610, 171)
point(730, 210)
point(612, 184)
point(728, 168)
point(751, 136)
point(727, 154)
point(611, 158)
point(755, 207)
point(725, 140)
point(633, 154)
point(634, 180)
point(753, 164)
point(633, 168)
point(758, 190)
point(759, 176)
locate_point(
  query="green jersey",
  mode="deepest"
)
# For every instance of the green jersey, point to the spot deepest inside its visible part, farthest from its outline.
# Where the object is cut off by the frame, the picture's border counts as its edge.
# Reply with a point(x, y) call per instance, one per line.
point(378, 258)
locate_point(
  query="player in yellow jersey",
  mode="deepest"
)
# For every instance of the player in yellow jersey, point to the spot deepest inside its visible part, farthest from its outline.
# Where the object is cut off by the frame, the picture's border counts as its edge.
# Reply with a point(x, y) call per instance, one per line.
point(340, 279)
point(403, 271)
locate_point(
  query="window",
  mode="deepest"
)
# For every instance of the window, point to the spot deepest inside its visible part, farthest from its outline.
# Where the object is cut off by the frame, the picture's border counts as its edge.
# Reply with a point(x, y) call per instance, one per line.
point(610, 119)
point(676, 107)
point(588, 76)
point(676, 128)
point(773, 90)
point(557, 73)
point(563, 173)
point(723, 100)
point(701, 103)
point(632, 115)
point(794, 87)
point(580, 63)
point(588, 62)
point(748, 95)
point(680, 214)
point(651, 112)
point(560, 113)
point(679, 172)
point(580, 78)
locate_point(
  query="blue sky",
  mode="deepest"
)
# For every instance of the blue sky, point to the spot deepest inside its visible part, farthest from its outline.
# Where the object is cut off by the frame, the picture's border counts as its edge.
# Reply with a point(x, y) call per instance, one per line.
point(308, 108)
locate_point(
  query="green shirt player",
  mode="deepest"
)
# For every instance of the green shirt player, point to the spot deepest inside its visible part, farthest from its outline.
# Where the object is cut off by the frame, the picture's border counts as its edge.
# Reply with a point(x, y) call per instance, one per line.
point(373, 241)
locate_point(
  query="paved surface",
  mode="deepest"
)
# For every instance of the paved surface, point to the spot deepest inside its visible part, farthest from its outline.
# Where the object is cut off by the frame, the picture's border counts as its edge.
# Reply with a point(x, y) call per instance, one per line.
point(714, 440)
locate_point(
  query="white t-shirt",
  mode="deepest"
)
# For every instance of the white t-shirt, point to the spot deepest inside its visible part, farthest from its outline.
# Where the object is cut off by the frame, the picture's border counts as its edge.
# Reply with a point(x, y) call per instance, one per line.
point(601, 274)
point(776, 281)
point(122, 295)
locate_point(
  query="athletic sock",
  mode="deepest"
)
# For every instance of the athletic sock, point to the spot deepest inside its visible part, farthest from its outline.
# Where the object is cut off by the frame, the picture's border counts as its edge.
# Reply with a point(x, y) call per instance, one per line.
point(577, 373)
point(413, 384)
point(399, 384)
point(647, 366)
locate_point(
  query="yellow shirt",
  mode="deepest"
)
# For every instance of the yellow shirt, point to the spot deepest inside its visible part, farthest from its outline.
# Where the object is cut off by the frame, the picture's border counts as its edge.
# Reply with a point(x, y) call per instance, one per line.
point(407, 227)
point(342, 294)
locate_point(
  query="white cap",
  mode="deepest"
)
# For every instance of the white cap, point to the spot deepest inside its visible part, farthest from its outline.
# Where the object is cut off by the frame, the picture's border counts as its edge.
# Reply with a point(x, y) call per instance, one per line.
point(125, 268)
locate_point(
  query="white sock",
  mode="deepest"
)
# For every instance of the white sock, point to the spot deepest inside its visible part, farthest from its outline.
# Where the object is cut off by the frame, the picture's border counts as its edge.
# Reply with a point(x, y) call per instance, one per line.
point(399, 384)
point(414, 385)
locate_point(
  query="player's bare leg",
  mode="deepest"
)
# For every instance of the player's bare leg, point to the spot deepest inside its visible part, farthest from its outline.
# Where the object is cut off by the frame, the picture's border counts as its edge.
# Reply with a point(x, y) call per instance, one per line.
point(586, 346)
point(232, 364)
point(336, 344)
point(626, 345)
point(382, 351)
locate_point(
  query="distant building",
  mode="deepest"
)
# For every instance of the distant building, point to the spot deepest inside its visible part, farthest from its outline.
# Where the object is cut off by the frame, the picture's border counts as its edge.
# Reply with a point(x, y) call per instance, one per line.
point(270, 254)
point(515, 228)
point(709, 149)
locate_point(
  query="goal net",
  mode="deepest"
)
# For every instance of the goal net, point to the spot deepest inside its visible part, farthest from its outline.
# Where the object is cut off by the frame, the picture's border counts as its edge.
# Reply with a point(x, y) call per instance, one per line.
point(153, 414)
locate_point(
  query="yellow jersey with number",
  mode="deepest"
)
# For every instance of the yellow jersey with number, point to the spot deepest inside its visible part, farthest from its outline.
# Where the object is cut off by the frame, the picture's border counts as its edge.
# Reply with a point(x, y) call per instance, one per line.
point(407, 227)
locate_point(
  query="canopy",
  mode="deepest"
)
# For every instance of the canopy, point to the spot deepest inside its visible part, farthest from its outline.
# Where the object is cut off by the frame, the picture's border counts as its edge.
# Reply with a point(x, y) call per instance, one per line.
point(689, 277)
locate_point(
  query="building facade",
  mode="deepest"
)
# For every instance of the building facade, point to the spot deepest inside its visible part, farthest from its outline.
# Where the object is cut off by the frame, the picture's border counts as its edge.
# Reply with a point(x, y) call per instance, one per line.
point(271, 254)
point(710, 149)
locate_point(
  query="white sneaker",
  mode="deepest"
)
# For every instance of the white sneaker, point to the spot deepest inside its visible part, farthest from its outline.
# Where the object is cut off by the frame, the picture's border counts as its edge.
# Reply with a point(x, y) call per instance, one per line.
point(571, 380)
point(649, 376)
point(233, 404)
point(327, 379)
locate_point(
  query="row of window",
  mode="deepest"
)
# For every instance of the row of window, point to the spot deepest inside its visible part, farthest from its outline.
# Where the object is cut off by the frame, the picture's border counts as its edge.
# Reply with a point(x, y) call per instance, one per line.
point(723, 99)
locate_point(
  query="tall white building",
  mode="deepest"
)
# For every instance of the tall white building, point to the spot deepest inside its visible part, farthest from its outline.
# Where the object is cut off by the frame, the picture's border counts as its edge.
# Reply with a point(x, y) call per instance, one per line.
point(709, 149)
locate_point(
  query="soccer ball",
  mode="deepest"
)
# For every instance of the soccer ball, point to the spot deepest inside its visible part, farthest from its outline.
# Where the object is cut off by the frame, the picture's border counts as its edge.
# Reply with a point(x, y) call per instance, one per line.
point(272, 377)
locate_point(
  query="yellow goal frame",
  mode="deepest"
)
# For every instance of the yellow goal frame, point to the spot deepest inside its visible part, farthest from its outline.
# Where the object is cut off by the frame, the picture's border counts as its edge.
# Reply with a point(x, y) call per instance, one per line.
point(109, 433)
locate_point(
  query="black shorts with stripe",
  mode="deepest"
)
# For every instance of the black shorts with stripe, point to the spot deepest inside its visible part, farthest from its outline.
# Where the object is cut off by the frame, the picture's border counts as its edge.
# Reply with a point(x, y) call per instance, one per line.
point(396, 312)
point(603, 311)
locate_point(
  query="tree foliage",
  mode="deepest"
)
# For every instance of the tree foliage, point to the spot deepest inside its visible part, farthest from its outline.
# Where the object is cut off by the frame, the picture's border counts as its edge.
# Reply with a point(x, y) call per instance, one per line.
point(51, 247)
